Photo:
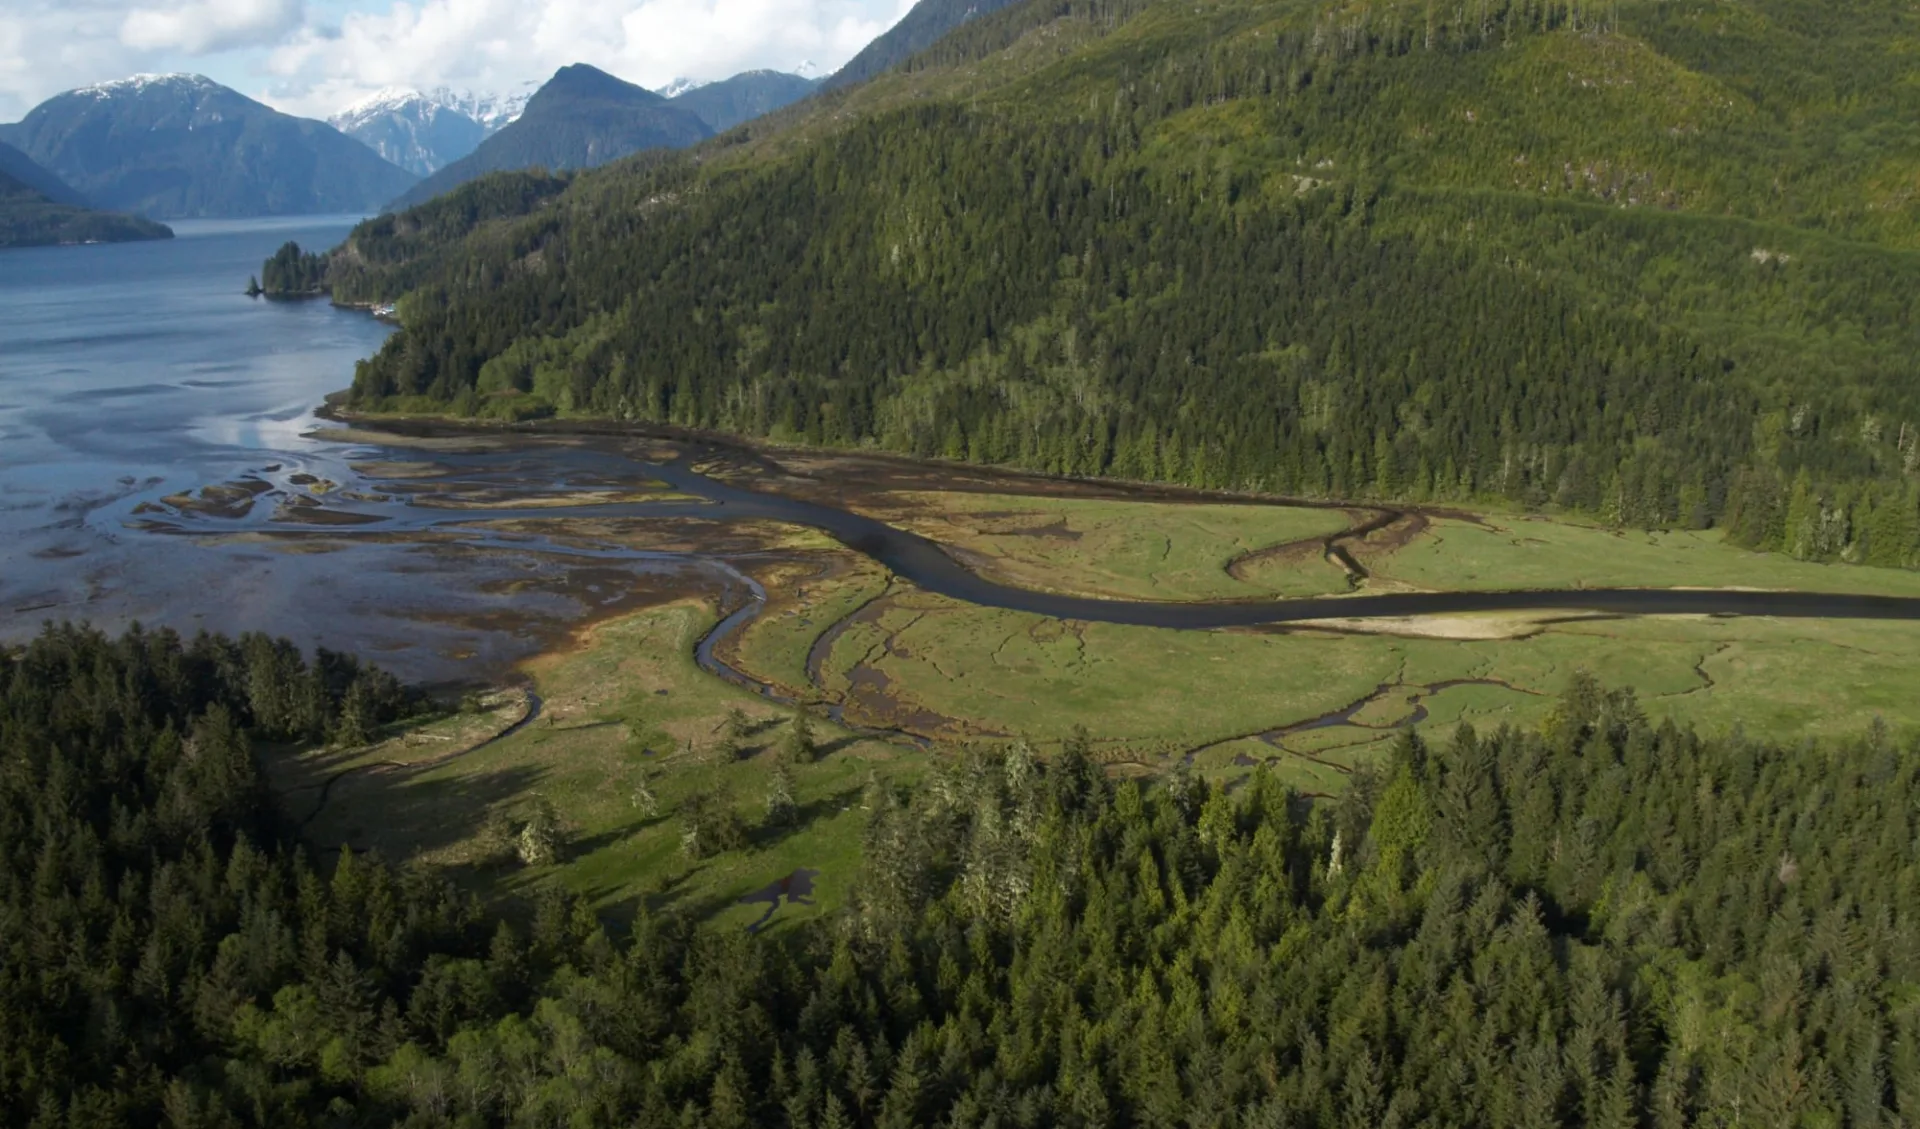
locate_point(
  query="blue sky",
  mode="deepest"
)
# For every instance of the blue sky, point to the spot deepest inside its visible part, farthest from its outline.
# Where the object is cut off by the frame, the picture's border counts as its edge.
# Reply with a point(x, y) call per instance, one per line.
point(314, 57)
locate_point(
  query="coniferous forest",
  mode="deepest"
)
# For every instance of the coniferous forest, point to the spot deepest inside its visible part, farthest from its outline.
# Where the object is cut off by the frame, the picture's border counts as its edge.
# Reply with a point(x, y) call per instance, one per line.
point(1637, 260)
point(1648, 260)
point(1600, 923)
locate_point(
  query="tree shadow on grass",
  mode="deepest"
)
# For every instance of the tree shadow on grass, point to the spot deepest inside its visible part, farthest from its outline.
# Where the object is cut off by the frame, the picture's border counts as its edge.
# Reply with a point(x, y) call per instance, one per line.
point(765, 836)
point(401, 815)
point(587, 844)
point(583, 726)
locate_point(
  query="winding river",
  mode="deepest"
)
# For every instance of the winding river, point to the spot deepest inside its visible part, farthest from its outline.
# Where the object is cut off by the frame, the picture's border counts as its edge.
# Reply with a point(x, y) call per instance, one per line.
point(552, 466)
point(929, 566)
point(134, 375)
point(378, 507)
point(926, 564)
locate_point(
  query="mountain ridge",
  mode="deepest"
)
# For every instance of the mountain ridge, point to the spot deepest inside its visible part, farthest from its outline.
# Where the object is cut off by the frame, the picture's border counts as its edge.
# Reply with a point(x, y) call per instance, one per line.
point(179, 145)
point(743, 97)
point(30, 218)
point(580, 118)
point(29, 174)
point(413, 130)
point(923, 26)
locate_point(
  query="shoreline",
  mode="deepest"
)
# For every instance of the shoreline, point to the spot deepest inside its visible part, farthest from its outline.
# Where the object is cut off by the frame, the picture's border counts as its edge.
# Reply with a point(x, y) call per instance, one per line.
point(1120, 489)
point(932, 566)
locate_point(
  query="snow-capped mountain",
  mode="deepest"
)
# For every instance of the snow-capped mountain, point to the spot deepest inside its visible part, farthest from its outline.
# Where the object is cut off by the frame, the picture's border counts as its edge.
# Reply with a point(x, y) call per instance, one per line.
point(424, 131)
point(492, 111)
point(181, 145)
point(140, 85)
point(418, 132)
point(680, 86)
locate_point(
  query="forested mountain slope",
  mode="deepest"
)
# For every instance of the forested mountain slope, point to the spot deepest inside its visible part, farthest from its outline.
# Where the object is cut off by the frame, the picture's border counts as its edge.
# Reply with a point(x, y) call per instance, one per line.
point(1600, 924)
point(30, 218)
point(1653, 260)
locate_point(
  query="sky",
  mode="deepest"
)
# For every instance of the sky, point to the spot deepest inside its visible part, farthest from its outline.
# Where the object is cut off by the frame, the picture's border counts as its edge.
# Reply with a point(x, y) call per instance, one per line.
point(314, 57)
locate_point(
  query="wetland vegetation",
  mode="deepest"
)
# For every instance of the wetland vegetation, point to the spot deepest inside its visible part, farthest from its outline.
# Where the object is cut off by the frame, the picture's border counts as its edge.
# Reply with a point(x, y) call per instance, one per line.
point(1412, 624)
point(1599, 919)
point(901, 681)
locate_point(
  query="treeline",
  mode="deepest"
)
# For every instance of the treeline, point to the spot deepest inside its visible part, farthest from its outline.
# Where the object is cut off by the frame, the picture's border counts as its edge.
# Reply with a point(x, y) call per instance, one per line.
point(1860, 524)
point(291, 273)
point(380, 258)
point(1327, 252)
point(146, 891)
point(1603, 923)
point(1335, 355)
point(28, 219)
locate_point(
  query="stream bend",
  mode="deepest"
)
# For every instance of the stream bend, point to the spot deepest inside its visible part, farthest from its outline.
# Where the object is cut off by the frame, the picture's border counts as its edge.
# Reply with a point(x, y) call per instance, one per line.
point(929, 566)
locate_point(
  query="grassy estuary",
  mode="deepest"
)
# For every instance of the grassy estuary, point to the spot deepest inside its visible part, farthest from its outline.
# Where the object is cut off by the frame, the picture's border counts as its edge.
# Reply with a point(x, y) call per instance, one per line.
point(899, 682)
point(1508, 928)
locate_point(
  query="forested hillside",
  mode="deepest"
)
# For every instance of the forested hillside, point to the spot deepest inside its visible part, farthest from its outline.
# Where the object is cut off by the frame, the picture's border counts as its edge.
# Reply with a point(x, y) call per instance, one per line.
point(30, 218)
point(1600, 924)
point(1650, 260)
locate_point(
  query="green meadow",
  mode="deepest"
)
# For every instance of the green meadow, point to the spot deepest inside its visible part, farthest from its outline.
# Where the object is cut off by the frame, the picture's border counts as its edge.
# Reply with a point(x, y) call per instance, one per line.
point(627, 710)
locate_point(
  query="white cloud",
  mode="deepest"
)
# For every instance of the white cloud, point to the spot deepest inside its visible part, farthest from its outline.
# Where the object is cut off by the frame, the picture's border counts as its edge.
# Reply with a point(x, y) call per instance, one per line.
point(313, 58)
point(47, 46)
point(205, 26)
point(498, 44)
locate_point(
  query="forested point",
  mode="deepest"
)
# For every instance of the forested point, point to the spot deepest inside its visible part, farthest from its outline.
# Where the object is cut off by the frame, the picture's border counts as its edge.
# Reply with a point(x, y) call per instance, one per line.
point(1646, 262)
point(291, 273)
point(1601, 923)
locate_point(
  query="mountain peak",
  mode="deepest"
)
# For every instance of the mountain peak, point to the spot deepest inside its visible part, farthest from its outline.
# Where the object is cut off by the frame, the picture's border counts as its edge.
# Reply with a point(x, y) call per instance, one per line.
point(582, 117)
point(142, 83)
point(583, 80)
point(421, 132)
point(165, 145)
point(680, 86)
point(386, 98)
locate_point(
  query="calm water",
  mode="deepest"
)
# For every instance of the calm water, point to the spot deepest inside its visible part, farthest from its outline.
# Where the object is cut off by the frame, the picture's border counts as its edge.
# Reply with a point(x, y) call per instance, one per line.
point(146, 360)
point(132, 372)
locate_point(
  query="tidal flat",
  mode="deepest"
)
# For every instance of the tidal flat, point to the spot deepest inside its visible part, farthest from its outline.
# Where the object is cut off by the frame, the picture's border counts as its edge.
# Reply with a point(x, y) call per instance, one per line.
point(674, 617)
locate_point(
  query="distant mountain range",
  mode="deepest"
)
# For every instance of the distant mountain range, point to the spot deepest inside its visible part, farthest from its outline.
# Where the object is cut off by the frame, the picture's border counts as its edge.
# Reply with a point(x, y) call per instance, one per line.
point(37, 207)
point(727, 103)
point(582, 117)
point(420, 133)
point(177, 145)
point(424, 131)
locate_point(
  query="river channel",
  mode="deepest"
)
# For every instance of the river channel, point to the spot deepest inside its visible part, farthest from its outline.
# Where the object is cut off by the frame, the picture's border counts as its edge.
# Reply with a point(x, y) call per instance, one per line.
point(134, 378)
